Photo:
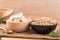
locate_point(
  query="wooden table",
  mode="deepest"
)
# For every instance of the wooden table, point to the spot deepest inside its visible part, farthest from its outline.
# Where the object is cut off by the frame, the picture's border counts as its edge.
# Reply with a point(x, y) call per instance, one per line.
point(30, 35)
point(4, 38)
point(26, 36)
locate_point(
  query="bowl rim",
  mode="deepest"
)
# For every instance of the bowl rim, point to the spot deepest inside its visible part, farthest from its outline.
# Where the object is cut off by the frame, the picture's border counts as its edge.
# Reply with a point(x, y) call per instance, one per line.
point(42, 25)
point(9, 10)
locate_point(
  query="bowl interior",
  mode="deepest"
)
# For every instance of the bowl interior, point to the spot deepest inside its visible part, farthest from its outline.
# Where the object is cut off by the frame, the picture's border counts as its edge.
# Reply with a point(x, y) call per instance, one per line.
point(41, 25)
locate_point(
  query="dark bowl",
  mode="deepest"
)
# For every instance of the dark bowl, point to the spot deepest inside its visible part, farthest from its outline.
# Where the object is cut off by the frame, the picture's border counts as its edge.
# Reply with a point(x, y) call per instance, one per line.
point(43, 29)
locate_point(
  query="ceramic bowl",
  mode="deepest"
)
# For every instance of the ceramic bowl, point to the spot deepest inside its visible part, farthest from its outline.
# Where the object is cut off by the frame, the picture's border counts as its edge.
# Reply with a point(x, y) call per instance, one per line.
point(43, 29)
point(5, 13)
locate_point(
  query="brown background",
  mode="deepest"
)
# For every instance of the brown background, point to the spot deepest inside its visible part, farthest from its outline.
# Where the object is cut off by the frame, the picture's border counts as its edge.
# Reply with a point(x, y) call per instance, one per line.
point(32, 7)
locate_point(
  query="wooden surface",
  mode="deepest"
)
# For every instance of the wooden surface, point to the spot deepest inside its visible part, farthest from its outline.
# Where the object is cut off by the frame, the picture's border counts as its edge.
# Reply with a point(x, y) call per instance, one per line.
point(31, 34)
point(4, 38)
